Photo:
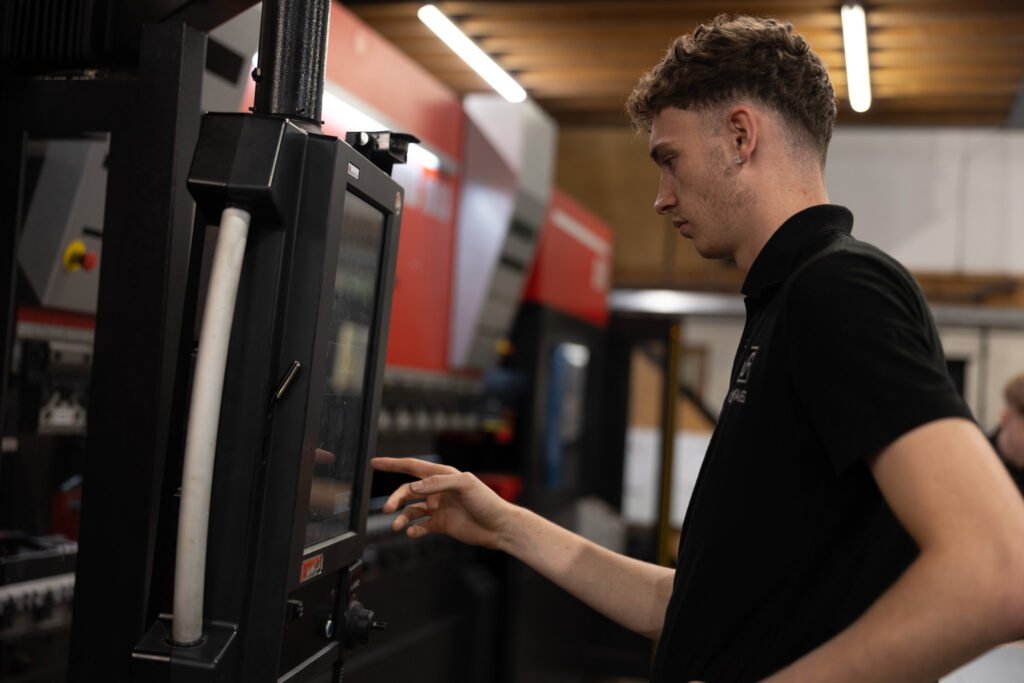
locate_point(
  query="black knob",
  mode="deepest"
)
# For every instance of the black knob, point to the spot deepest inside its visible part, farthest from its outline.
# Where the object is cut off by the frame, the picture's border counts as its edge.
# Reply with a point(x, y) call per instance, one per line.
point(359, 621)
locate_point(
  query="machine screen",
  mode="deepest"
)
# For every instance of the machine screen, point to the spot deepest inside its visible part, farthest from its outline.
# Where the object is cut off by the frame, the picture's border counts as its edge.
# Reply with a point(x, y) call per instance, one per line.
point(339, 441)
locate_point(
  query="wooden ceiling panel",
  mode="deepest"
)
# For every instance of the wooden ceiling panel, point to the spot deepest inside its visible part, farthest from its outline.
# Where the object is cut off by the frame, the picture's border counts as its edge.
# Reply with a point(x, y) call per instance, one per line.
point(934, 62)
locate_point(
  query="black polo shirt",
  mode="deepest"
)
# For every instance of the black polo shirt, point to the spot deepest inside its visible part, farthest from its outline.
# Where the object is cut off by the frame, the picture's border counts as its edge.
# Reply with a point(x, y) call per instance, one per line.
point(787, 539)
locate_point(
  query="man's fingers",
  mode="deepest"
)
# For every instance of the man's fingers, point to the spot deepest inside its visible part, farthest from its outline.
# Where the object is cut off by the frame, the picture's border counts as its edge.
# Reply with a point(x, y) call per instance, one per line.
point(412, 514)
point(400, 495)
point(418, 530)
point(439, 483)
point(414, 467)
point(416, 520)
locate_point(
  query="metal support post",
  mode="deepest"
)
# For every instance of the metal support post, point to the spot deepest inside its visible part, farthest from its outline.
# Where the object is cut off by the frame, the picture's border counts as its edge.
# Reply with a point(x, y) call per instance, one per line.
point(669, 400)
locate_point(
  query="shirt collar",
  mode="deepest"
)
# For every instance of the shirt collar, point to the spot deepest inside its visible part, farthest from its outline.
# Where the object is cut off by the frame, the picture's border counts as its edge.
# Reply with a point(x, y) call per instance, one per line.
point(787, 248)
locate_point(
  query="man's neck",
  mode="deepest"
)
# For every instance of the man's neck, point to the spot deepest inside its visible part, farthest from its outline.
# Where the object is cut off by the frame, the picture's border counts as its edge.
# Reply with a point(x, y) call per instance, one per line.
point(773, 212)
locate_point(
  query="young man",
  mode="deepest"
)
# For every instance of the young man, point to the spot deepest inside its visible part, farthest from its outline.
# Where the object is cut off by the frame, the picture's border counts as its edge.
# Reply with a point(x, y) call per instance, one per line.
point(851, 522)
point(1008, 438)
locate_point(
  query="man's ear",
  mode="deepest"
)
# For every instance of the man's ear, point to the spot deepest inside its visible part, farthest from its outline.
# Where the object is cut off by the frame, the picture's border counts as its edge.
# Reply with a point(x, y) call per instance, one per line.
point(743, 130)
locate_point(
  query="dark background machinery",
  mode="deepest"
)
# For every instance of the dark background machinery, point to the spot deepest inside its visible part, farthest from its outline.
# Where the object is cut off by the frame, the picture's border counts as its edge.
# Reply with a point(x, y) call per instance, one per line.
point(148, 111)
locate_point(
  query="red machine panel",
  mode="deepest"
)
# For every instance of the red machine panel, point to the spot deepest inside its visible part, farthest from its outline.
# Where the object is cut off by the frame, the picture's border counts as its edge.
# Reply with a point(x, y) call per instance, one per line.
point(418, 337)
point(572, 266)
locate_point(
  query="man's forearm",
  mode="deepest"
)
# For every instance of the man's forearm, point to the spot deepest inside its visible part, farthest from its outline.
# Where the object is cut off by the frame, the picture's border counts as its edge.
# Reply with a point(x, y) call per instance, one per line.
point(940, 614)
point(632, 593)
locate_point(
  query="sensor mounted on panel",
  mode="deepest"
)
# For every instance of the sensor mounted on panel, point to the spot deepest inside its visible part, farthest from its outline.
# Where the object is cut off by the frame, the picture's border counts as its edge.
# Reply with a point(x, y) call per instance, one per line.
point(383, 148)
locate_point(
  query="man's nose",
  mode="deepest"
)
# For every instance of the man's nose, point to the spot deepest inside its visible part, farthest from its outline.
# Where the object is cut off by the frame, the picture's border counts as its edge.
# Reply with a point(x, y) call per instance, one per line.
point(666, 198)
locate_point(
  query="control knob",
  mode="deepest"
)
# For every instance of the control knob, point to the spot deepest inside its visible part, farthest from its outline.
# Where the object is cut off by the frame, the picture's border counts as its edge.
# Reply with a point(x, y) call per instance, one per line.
point(359, 622)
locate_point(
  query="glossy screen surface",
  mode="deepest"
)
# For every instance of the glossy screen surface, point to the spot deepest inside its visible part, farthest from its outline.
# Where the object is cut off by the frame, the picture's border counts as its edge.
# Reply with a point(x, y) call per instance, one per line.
point(340, 440)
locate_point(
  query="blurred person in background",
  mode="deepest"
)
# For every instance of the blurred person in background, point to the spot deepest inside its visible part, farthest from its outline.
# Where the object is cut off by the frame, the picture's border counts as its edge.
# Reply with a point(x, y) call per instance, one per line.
point(1008, 437)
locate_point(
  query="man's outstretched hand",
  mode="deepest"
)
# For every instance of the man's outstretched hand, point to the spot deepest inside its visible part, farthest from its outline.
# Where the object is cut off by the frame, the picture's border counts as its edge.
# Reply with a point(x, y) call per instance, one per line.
point(447, 501)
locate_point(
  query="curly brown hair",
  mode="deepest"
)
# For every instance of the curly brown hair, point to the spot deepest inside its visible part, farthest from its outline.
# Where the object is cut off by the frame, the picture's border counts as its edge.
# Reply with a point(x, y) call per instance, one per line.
point(742, 57)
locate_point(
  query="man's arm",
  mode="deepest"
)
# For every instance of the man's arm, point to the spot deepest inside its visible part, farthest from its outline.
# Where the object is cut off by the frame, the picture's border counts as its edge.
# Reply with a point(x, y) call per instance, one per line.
point(632, 593)
point(964, 594)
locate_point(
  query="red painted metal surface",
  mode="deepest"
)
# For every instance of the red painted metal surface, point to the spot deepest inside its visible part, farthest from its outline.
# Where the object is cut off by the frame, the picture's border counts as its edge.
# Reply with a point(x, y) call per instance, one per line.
point(572, 266)
point(53, 316)
point(418, 335)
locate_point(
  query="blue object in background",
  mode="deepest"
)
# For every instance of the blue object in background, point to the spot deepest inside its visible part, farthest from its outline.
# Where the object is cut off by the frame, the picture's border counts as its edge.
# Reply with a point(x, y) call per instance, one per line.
point(563, 414)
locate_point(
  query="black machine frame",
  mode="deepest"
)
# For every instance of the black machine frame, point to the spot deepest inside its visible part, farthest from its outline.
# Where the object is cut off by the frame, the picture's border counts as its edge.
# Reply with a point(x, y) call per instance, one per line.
point(265, 613)
point(257, 627)
point(152, 115)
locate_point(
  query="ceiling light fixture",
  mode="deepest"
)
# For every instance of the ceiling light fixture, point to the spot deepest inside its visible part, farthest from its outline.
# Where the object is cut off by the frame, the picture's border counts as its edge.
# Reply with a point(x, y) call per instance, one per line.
point(454, 38)
point(855, 48)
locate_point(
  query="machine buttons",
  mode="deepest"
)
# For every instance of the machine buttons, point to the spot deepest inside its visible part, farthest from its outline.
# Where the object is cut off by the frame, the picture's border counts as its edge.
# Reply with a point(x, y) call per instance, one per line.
point(329, 629)
point(78, 257)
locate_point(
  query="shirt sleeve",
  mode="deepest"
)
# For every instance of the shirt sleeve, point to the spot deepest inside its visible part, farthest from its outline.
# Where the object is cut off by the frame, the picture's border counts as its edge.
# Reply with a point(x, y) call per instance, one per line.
point(865, 357)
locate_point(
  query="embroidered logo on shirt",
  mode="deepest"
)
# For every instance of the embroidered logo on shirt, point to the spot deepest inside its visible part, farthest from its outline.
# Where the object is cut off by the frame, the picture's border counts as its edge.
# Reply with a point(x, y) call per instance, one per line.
point(744, 375)
point(738, 395)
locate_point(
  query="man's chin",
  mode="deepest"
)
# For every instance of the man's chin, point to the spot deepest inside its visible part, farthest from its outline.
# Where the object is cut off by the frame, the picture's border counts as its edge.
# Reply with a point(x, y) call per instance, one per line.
point(709, 251)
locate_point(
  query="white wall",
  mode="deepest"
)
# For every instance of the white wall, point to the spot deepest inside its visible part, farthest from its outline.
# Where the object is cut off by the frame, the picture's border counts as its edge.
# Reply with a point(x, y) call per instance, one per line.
point(938, 199)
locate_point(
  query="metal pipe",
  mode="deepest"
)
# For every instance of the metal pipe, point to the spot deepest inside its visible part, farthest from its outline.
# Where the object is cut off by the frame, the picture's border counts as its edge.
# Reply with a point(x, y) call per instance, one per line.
point(203, 420)
point(292, 58)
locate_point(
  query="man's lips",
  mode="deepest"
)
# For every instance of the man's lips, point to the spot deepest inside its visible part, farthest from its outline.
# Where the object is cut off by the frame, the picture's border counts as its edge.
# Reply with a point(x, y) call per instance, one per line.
point(681, 226)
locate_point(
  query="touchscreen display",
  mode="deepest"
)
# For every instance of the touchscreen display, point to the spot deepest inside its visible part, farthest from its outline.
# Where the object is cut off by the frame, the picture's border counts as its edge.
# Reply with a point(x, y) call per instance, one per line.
point(345, 390)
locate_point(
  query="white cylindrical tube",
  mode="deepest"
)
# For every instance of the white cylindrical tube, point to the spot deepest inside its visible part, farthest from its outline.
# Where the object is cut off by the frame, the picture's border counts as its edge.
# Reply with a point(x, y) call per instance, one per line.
point(203, 418)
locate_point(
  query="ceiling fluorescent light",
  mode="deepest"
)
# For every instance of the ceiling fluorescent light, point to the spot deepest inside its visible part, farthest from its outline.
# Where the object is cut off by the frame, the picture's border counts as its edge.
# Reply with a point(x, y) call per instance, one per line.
point(471, 54)
point(855, 48)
